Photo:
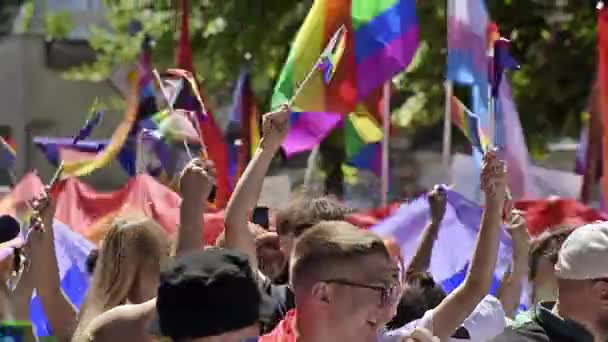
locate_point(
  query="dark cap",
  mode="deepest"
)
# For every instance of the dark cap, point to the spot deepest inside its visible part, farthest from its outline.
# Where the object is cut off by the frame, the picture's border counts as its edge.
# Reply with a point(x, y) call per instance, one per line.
point(9, 228)
point(209, 293)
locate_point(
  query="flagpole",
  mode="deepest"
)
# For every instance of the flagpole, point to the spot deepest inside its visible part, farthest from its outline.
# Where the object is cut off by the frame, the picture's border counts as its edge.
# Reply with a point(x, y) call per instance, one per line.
point(385, 142)
point(491, 114)
point(447, 129)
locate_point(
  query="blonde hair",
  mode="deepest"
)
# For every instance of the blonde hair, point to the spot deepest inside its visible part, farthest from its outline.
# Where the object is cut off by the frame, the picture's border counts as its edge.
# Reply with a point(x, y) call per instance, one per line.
point(134, 243)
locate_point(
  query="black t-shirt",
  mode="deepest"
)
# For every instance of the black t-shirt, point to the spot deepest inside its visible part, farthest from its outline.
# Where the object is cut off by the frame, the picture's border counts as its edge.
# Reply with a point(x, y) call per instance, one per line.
point(541, 325)
point(283, 301)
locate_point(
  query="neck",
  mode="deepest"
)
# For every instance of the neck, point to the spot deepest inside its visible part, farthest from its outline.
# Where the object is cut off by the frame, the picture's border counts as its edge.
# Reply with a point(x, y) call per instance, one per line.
point(312, 327)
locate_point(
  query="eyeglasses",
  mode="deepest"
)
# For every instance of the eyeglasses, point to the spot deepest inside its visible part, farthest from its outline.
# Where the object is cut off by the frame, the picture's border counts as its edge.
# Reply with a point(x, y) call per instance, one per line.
point(389, 295)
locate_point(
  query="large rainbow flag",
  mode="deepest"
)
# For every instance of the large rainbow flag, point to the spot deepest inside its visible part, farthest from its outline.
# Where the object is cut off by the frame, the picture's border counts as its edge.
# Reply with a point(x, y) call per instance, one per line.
point(381, 39)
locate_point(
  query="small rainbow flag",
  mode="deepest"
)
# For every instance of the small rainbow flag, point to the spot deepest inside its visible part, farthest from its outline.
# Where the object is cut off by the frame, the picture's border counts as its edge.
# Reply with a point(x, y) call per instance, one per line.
point(8, 155)
point(380, 40)
point(94, 119)
point(470, 125)
point(332, 55)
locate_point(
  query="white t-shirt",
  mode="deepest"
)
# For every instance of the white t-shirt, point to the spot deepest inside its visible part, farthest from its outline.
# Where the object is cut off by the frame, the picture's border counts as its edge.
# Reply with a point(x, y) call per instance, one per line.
point(483, 324)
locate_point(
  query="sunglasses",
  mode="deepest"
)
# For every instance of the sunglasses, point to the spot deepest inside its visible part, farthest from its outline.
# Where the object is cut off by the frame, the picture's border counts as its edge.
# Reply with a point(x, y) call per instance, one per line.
point(389, 295)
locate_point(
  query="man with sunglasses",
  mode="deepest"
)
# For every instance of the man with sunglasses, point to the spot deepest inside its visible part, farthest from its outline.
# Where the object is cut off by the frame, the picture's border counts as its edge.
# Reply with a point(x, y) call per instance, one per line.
point(581, 311)
point(345, 283)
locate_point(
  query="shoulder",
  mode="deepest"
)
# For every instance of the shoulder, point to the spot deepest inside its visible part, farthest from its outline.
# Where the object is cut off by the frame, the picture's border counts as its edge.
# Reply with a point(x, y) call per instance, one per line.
point(525, 332)
point(487, 320)
point(124, 320)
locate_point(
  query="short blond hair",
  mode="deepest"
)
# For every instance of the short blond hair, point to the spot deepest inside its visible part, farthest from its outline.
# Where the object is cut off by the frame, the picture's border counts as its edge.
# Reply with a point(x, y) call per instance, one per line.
point(329, 246)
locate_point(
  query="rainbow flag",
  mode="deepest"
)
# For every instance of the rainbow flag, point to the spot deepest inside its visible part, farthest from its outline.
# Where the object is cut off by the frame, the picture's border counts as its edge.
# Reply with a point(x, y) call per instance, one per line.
point(244, 126)
point(8, 155)
point(362, 141)
point(332, 55)
point(380, 41)
point(93, 120)
point(470, 125)
point(141, 104)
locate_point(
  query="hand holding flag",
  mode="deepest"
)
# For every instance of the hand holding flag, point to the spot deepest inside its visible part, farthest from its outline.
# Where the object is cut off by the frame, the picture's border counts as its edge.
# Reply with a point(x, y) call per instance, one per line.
point(327, 61)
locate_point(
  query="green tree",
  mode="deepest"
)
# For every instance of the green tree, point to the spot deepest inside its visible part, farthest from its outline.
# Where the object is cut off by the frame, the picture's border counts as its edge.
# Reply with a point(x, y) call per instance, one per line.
point(550, 90)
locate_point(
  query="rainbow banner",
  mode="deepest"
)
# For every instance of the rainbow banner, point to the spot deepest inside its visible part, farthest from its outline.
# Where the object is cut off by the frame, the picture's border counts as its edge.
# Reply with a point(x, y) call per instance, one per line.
point(381, 39)
point(470, 125)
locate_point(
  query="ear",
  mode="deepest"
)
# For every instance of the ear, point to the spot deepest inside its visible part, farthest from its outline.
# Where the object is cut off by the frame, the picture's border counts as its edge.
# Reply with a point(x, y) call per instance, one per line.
point(600, 291)
point(321, 292)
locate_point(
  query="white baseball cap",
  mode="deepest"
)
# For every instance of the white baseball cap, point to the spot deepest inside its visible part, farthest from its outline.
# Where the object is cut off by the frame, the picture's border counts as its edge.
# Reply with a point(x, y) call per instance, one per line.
point(584, 254)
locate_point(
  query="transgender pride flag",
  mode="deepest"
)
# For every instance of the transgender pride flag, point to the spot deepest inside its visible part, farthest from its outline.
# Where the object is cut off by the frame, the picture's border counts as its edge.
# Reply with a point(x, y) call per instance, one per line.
point(72, 250)
point(467, 42)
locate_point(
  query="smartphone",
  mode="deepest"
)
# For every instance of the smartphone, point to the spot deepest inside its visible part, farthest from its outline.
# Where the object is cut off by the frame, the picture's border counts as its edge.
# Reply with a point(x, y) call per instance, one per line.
point(260, 216)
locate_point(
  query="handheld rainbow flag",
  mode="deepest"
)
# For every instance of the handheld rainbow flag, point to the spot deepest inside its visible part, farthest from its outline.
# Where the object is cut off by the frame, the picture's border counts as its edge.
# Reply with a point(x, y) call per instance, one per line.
point(170, 88)
point(470, 125)
point(8, 156)
point(94, 119)
point(326, 63)
point(243, 131)
point(332, 54)
point(380, 39)
point(182, 99)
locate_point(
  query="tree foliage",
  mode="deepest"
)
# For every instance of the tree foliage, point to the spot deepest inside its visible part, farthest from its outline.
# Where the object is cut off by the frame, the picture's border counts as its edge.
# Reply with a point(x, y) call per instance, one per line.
point(551, 90)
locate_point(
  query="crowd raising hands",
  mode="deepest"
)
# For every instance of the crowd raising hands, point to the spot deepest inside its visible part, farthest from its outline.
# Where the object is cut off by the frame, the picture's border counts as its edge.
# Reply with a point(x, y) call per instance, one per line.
point(330, 281)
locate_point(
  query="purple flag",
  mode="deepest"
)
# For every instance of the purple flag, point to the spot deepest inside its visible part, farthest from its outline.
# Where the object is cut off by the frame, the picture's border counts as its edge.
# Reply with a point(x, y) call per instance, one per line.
point(457, 235)
point(508, 128)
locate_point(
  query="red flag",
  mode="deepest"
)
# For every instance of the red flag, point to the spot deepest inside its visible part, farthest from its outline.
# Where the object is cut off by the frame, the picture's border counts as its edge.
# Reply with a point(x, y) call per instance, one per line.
point(602, 46)
point(593, 149)
point(214, 139)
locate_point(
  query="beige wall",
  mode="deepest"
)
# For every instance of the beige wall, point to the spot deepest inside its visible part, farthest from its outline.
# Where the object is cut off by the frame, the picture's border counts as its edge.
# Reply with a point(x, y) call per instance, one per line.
point(36, 97)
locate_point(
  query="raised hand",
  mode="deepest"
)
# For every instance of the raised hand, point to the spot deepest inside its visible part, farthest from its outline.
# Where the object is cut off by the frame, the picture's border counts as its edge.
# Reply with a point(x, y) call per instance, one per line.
point(437, 201)
point(197, 181)
point(275, 127)
point(518, 229)
point(493, 177)
point(43, 211)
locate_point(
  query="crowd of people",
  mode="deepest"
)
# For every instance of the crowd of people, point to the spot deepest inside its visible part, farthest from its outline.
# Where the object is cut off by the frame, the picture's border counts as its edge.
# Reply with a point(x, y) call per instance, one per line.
point(311, 276)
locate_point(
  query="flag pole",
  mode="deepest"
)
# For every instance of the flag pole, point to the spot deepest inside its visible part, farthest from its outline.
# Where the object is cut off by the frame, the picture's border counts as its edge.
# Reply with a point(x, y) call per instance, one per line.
point(447, 129)
point(385, 142)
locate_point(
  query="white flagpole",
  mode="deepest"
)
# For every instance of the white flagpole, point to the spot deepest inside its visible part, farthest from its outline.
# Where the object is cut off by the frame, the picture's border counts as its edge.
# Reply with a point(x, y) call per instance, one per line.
point(447, 130)
point(491, 114)
point(385, 142)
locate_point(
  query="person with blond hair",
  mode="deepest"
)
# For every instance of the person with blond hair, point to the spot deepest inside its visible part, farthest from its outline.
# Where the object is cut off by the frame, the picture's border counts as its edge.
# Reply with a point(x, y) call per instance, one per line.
point(121, 298)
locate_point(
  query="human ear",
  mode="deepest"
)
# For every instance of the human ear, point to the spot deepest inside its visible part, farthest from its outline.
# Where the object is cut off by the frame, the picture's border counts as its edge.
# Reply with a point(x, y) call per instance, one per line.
point(321, 292)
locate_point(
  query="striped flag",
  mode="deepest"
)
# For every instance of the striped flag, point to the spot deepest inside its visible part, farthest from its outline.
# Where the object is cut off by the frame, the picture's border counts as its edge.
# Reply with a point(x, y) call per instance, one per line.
point(470, 125)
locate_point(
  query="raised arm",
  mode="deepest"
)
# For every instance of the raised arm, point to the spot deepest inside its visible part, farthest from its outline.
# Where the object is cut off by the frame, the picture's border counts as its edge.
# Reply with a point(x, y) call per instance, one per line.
point(422, 258)
point(195, 185)
point(454, 309)
point(245, 196)
point(511, 286)
point(60, 312)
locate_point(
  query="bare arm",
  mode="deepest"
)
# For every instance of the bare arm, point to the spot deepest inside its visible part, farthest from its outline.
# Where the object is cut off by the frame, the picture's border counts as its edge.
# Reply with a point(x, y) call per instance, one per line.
point(454, 309)
point(511, 286)
point(195, 186)
point(249, 186)
point(422, 258)
point(60, 312)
